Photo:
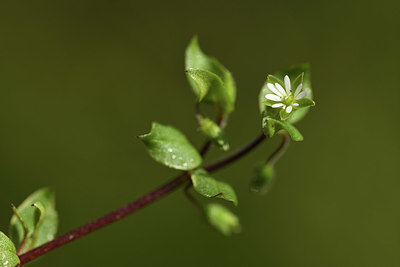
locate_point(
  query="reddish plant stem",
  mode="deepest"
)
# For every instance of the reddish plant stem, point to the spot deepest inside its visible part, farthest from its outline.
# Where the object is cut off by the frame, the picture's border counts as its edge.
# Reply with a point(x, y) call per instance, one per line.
point(237, 155)
point(131, 207)
point(103, 221)
point(280, 150)
point(190, 197)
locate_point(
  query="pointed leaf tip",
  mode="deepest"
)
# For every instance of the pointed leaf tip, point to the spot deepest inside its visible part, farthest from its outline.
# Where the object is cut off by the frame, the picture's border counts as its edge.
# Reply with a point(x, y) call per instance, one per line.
point(207, 186)
point(224, 95)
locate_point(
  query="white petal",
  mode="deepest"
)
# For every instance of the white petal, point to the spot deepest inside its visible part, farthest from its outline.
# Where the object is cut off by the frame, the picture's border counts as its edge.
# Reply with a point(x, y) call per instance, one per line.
point(273, 89)
point(277, 105)
point(298, 90)
point(289, 109)
point(287, 84)
point(301, 95)
point(295, 104)
point(280, 88)
point(273, 97)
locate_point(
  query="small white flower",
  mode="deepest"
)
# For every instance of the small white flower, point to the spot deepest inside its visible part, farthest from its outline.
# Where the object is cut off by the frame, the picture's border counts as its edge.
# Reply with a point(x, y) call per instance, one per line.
point(285, 98)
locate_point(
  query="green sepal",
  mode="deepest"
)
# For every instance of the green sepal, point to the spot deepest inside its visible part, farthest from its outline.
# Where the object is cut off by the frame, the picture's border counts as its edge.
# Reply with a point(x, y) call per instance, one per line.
point(271, 126)
point(8, 253)
point(297, 81)
point(263, 179)
point(207, 186)
point(224, 95)
point(274, 79)
point(305, 102)
point(214, 133)
point(203, 81)
point(269, 103)
point(222, 219)
point(268, 127)
point(170, 147)
point(284, 115)
point(42, 226)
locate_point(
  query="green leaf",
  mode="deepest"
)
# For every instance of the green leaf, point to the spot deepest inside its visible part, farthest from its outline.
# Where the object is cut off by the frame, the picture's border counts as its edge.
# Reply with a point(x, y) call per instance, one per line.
point(271, 126)
point(263, 179)
point(305, 102)
point(222, 219)
point(203, 81)
point(170, 147)
point(207, 186)
point(213, 133)
point(8, 254)
point(297, 74)
point(224, 95)
point(227, 94)
point(38, 233)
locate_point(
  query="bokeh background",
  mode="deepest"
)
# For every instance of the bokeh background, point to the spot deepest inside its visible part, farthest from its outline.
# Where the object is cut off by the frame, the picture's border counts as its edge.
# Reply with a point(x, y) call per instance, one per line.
point(80, 79)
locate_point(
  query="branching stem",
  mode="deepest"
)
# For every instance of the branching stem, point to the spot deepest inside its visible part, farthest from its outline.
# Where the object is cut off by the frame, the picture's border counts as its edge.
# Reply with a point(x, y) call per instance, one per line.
point(237, 155)
point(131, 207)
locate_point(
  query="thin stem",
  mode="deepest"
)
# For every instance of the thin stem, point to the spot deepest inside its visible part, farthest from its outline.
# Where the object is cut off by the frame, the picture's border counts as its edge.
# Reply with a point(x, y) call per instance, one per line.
point(197, 111)
point(203, 151)
point(205, 148)
point(190, 197)
point(103, 221)
point(220, 121)
point(280, 150)
point(131, 207)
point(237, 155)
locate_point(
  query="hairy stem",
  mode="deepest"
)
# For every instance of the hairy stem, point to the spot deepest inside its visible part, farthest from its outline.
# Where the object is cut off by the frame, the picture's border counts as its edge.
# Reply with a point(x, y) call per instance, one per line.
point(131, 207)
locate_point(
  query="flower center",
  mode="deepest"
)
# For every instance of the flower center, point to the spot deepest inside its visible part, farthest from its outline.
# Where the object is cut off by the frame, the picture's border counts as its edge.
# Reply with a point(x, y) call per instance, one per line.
point(288, 101)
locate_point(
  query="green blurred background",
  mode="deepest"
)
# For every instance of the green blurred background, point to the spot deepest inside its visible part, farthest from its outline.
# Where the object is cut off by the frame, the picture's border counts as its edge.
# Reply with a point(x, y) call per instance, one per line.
point(80, 79)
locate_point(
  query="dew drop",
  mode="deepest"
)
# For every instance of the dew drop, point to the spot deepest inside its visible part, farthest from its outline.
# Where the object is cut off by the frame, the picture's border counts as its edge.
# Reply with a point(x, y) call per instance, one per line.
point(173, 156)
point(170, 149)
